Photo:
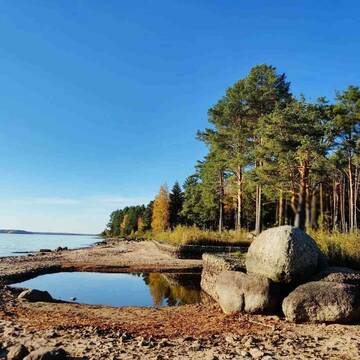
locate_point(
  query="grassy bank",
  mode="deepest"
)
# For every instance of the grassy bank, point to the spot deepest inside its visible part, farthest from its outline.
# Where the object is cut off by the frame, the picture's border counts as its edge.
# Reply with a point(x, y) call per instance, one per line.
point(183, 235)
point(341, 249)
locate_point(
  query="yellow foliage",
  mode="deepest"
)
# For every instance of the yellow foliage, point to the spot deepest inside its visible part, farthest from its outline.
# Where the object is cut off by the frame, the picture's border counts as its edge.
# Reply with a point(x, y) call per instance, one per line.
point(184, 235)
point(124, 223)
point(160, 217)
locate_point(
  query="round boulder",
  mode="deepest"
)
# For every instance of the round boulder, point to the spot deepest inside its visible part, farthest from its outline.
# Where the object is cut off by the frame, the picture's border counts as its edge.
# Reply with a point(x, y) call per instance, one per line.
point(284, 254)
point(251, 293)
point(321, 301)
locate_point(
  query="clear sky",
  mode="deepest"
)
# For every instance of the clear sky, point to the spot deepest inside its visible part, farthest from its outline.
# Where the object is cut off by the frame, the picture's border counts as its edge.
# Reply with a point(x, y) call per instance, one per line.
point(100, 100)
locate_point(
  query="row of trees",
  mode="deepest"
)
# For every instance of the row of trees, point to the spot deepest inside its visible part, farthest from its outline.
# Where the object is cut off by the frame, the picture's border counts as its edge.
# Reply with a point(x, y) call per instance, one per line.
point(160, 214)
point(273, 159)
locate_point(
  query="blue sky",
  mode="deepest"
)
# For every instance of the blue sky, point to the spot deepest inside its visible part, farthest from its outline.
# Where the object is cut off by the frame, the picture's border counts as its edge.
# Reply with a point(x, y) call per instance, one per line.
point(100, 100)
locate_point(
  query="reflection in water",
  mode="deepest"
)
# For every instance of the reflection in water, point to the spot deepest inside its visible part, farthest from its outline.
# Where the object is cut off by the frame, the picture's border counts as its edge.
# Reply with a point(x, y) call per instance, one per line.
point(173, 289)
point(121, 289)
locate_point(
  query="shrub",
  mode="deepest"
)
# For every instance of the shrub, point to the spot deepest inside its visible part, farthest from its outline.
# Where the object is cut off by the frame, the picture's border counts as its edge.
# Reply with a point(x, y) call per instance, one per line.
point(183, 235)
point(342, 249)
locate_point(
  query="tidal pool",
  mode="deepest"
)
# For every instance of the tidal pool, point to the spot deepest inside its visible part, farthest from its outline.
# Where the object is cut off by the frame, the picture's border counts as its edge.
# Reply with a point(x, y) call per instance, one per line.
point(141, 289)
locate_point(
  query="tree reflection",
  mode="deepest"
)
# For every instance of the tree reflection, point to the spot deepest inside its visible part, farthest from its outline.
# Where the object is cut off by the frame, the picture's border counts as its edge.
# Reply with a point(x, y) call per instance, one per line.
point(173, 290)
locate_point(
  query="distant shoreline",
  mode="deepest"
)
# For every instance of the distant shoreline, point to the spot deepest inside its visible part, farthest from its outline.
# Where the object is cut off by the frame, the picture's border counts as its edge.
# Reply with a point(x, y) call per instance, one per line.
point(24, 232)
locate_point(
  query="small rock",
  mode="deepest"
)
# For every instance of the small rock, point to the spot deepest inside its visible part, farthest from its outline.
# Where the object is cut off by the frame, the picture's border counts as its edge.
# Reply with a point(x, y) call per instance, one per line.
point(212, 356)
point(17, 352)
point(52, 334)
point(47, 354)
point(248, 341)
point(256, 353)
point(165, 343)
point(188, 338)
point(33, 295)
point(196, 346)
point(125, 337)
point(146, 343)
point(244, 353)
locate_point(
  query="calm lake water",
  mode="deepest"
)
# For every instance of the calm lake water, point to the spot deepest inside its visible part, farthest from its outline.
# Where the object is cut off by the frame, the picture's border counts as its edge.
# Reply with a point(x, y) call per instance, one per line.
point(14, 244)
point(150, 289)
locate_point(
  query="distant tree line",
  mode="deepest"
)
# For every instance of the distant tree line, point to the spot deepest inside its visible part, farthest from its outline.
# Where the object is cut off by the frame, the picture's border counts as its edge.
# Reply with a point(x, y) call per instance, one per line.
point(162, 213)
point(272, 159)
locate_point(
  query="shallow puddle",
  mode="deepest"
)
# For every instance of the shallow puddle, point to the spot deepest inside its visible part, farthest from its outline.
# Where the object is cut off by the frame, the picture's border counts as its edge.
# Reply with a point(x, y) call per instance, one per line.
point(143, 289)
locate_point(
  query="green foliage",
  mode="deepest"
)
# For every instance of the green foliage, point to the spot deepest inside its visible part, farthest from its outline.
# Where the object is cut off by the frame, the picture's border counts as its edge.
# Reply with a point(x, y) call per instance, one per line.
point(176, 203)
point(272, 159)
point(125, 221)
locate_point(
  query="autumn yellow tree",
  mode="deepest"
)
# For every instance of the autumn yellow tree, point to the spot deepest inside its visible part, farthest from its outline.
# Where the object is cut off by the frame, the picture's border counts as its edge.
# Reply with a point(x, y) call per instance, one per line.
point(124, 224)
point(160, 217)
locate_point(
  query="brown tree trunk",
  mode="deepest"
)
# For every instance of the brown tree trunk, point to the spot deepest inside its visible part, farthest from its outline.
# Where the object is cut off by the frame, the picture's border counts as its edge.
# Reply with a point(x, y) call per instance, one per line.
point(351, 195)
point(300, 216)
point(221, 202)
point(258, 209)
point(356, 191)
point(313, 215)
point(342, 205)
point(239, 198)
point(321, 207)
point(335, 205)
point(281, 208)
point(307, 208)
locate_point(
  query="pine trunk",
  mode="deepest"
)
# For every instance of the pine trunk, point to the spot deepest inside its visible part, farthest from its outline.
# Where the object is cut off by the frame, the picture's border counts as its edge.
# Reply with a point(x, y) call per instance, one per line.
point(258, 210)
point(300, 216)
point(313, 214)
point(239, 198)
point(356, 191)
point(221, 202)
point(321, 207)
point(281, 208)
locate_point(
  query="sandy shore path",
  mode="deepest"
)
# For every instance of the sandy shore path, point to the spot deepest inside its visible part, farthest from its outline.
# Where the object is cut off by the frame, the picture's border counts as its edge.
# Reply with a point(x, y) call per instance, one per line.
point(112, 257)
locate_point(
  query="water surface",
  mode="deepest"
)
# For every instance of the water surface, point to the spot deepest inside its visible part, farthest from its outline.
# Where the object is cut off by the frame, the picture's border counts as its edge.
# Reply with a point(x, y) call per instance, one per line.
point(147, 289)
point(20, 244)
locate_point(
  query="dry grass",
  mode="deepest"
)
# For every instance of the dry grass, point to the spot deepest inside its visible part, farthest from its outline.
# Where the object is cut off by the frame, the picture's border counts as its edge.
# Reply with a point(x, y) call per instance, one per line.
point(183, 235)
point(340, 248)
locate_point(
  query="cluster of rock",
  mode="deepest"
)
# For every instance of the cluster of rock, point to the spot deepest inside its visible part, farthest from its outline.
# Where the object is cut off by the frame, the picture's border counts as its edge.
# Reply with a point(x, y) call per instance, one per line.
point(20, 352)
point(284, 269)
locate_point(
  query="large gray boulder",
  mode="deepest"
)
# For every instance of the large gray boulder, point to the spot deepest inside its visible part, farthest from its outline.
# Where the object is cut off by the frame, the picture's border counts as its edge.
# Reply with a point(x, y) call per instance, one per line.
point(47, 354)
point(338, 274)
point(284, 254)
point(321, 301)
point(240, 292)
point(33, 295)
point(213, 265)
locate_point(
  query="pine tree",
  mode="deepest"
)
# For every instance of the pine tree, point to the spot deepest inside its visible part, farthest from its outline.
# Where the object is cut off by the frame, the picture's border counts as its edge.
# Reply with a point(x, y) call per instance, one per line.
point(292, 150)
point(347, 126)
point(176, 204)
point(160, 216)
point(147, 215)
